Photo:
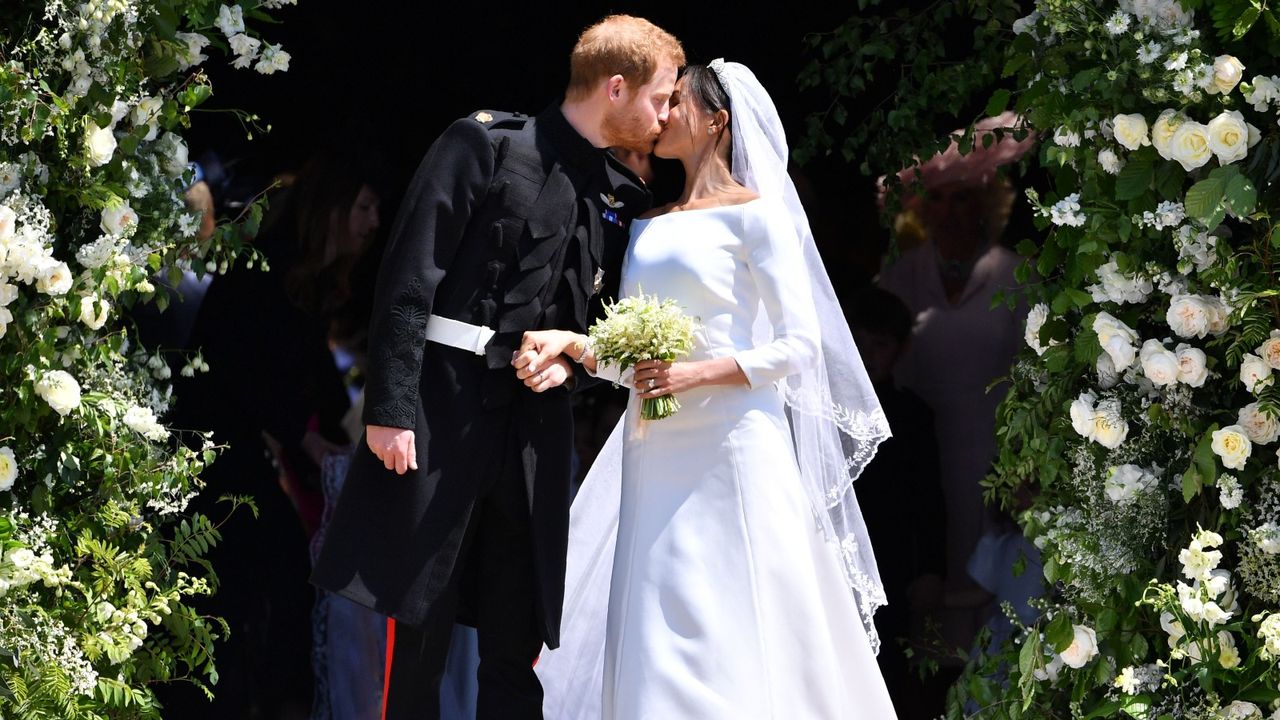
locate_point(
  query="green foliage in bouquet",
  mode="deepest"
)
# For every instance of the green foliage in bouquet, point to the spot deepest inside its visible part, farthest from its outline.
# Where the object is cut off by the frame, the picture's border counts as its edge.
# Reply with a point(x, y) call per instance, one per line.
point(1138, 442)
point(640, 328)
point(98, 557)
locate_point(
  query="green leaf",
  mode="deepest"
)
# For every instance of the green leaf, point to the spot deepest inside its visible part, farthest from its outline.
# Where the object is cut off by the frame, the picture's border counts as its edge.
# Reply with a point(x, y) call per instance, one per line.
point(1059, 634)
point(1134, 179)
point(1192, 483)
point(1246, 21)
point(1029, 657)
point(1241, 196)
point(998, 102)
point(1204, 198)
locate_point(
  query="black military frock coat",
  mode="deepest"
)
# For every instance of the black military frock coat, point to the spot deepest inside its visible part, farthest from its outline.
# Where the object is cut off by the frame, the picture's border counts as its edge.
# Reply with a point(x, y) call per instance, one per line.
point(510, 222)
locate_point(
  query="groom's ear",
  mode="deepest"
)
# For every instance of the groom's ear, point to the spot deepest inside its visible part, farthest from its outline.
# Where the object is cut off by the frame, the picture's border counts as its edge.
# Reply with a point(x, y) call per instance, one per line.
point(613, 87)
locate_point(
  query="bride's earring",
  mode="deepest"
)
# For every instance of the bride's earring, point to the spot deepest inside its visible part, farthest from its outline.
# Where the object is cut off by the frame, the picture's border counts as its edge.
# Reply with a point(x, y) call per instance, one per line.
point(711, 131)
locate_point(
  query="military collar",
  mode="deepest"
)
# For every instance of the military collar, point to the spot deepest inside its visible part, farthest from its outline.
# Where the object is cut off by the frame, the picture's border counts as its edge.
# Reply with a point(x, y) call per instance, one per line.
point(577, 151)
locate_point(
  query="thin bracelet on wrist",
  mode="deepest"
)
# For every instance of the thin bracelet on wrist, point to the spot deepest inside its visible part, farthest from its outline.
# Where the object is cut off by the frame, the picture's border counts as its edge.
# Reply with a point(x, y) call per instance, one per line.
point(586, 349)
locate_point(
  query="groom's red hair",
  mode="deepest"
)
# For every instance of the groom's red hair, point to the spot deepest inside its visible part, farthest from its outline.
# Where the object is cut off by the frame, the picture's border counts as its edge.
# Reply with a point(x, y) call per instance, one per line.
point(620, 45)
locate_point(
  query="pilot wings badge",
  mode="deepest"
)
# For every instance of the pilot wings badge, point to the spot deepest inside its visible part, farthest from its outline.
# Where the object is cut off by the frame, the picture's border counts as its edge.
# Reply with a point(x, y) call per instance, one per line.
point(611, 201)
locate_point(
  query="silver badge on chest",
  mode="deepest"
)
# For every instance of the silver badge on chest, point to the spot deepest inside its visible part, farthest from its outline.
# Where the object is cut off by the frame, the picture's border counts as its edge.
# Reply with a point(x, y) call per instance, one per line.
point(598, 283)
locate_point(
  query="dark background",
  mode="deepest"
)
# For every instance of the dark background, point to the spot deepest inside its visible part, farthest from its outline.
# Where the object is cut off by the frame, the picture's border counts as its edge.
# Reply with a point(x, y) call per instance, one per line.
point(387, 76)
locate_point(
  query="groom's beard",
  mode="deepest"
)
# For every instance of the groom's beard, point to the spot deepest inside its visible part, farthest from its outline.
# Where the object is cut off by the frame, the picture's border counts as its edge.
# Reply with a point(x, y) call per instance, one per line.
point(630, 131)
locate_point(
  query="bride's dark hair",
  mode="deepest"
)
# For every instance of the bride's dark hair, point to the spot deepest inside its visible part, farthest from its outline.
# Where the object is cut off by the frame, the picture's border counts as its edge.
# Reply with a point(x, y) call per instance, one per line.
point(704, 87)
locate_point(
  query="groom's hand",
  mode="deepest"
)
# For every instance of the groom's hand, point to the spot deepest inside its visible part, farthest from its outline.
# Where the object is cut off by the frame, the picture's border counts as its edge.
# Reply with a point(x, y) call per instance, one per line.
point(539, 347)
point(553, 374)
point(393, 446)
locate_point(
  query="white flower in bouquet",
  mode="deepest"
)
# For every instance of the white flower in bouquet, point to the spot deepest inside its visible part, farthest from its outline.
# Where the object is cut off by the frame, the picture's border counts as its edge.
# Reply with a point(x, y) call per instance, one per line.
point(1107, 375)
point(1117, 340)
point(100, 143)
point(1027, 24)
point(1117, 287)
point(1263, 91)
point(1196, 249)
point(1172, 627)
point(8, 224)
point(8, 293)
point(1267, 537)
point(1125, 482)
point(1036, 319)
point(147, 113)
point(94, 311)
point(1118, 23)
point(1195, 316)
point(1066, 137)
point(172, 151)
point(1163, 130)
point(1269, 634)
point(1232, 444)
point(8, 469)
point(192, 53)
point(1192, 600)
point(1110, 429)
point(1150, 52)
point(1223, 590)
point(245, 48)
point(640, 328)
point(53, 277)
point(1190, 145)
point(1198, 560)
point(230, 20)
point(1227, 72)
point(1111, 163)
point(60, 390)
point(1050, 670)
point(1159, 364)
point(10, 177)
point(1228, 655)
point(1131, 131)
point(1192, 368)
point(1082, 414)
point(1230, 494)
point(1128, 681)
point(1067, 211)
point(1176, 61)
point(143, 421)
point(6, 317)
point(1269, 350)
point(1229, 137)
point(1240, 710)
point(1083, 648)
point(274, 59)
point(1255, 373)
point(119, 219)
point(1262, 429)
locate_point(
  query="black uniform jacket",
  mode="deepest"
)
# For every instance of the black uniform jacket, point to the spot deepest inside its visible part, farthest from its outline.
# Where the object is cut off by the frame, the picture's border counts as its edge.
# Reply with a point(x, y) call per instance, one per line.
point(511, 222)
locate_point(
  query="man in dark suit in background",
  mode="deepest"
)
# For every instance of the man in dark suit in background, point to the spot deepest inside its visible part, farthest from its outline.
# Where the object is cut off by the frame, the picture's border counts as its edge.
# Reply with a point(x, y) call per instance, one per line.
point(457, 503)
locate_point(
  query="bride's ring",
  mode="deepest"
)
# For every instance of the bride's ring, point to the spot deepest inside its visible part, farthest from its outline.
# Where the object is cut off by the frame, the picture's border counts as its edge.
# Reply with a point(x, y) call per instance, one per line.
point(538, 377)
point(652, 383)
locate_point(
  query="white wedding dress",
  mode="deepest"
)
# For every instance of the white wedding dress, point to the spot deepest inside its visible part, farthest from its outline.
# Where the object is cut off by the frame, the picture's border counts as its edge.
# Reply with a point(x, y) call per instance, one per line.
point(726, 602)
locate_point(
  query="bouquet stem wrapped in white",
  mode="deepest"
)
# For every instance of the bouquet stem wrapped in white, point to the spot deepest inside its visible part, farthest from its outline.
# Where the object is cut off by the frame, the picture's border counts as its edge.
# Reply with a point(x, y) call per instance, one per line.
point(639, 328)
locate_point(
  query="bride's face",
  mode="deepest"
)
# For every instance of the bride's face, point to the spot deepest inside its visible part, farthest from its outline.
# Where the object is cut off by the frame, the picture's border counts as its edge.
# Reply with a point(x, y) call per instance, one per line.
point(686, 126)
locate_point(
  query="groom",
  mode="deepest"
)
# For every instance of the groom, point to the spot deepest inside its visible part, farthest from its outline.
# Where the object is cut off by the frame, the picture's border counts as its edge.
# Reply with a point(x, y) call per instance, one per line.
point(456, 506)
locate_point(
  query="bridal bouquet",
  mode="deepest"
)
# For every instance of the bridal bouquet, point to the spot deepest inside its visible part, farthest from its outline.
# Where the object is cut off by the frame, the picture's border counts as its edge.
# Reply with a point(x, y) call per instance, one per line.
point(644, 328)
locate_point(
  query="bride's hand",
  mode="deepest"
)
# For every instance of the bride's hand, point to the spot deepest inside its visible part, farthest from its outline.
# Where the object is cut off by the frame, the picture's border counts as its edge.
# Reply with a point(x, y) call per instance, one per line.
point(539, 347)
point(655, 378)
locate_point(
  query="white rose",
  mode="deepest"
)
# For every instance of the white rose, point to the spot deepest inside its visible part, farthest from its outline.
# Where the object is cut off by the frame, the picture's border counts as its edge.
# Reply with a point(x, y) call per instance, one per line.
point(100, 144)
point(1162, 131)
point(1082, 414)
point(1084, 647)
point(1229, 137)
point(1262, 429)
point(119, 219)
point(173, 154)
point(147, 113)
point(1109, 426)
point(94, 311)
point(1269, 350)
point(1219, 314)
point(230, 20)
point(1110, 162)
point(1232, 444)
point(1116, 339)
point(1255, 373)
point(1036, 319)
point(1190, 316)
point(1192, 369)
point(53, 278)
point(1159, 365)
point(1227, 72)
point(1107, 375)
point(1131, 131)
point(60, 390)
point(8, 469)
point(1190, 145)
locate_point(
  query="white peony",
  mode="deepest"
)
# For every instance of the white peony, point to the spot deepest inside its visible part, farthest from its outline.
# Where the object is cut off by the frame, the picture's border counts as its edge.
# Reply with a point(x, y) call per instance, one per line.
point(1162, 131)
point(1131, 131)
point(1227, 72)
point(60, 390)
point(100, 143)
point(8, 469)
point(53, 277)
point(1192, 315)
point(1232, 444)
point(1083, 648)
point(1229, 137)
point(1190, 145)
point(94, 311)
point(1262, 429)
point(1269, 350)
point(1255, 373)
point(1116, 339)
point(1082, 414)
point(1192, 369)
point(1159, 364)
point(119, 219)
point(1110, 429)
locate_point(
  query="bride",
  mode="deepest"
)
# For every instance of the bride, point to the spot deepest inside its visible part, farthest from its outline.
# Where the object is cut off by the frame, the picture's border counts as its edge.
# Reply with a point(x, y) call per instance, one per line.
point(718, 563)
